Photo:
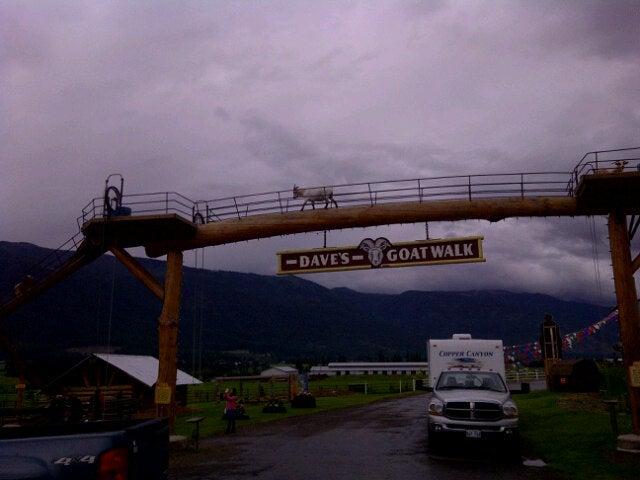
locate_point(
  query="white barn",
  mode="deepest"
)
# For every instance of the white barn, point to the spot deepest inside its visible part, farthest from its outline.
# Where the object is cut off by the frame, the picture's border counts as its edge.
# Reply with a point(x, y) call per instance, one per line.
point(279, 371)
point(371, 368)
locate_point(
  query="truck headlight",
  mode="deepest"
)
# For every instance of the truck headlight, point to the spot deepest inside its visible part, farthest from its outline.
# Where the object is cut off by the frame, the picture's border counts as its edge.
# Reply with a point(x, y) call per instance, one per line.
point(510, 410)
point(435, 407)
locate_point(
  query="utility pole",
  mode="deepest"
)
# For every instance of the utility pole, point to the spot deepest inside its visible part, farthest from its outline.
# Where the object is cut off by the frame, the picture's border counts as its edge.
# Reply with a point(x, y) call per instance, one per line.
point(628, 317)
point(551, 346)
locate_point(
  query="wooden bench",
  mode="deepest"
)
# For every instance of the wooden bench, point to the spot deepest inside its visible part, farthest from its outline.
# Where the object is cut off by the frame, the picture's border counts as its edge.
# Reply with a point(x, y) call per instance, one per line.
point(195, 435)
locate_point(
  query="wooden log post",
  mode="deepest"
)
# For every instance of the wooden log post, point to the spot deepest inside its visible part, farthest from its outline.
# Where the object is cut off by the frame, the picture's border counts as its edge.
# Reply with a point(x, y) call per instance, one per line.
point(627, 298)
point(165, 393)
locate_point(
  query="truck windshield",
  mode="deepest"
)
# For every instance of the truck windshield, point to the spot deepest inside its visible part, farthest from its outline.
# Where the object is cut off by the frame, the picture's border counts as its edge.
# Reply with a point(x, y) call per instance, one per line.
point(471, 381)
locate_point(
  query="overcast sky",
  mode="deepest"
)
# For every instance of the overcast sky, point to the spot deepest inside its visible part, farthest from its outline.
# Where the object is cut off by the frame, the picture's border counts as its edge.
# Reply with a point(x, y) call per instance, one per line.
point(218, 98)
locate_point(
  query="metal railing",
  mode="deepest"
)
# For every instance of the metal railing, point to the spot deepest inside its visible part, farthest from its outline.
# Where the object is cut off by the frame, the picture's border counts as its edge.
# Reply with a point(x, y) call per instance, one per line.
point(524, 375)
point(56, 257)
point(466, 187)
point(47, 265)
point(456, 187)
point(602, 162)
point(142, 204)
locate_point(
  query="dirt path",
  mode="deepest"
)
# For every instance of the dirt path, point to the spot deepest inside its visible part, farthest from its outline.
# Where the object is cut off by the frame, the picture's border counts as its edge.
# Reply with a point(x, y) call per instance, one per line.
point(384, 440)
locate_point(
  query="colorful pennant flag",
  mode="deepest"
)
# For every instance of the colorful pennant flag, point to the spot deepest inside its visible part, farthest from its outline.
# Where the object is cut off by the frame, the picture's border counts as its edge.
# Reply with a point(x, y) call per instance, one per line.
point(532, 351)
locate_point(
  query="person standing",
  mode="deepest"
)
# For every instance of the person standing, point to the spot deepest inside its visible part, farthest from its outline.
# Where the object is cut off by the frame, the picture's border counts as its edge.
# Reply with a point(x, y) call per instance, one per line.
point(231, 406)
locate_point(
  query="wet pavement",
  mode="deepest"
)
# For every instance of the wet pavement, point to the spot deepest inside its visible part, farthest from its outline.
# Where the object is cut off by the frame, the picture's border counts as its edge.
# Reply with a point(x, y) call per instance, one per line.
point(383, 440)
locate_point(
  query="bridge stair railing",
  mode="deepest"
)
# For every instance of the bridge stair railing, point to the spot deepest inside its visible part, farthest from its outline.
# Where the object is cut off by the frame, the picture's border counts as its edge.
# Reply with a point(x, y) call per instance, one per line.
point(51, 269)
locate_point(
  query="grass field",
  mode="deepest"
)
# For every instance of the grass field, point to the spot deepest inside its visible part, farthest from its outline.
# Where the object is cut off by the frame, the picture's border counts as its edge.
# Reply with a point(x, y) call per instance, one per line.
point(613, 381)
point(7, 389)
point(577, 444)
point(252, 390)
point(214, 424)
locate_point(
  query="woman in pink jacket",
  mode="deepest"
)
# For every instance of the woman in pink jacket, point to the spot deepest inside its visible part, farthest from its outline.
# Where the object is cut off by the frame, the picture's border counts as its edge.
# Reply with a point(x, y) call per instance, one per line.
point(230, 409)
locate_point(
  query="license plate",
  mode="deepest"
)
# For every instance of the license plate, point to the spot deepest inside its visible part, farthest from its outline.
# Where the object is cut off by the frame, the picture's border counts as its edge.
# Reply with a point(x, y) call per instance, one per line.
point(473, 434)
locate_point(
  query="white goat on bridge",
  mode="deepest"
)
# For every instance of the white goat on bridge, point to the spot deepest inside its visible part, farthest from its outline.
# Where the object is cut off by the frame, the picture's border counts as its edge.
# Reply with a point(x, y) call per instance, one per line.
point(313, 195)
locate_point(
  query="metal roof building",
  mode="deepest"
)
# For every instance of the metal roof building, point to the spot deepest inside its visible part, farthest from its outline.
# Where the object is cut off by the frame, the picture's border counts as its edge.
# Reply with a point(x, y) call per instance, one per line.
point(370, 368)
point(114, 376)
point(279, 371)
point(143, 368)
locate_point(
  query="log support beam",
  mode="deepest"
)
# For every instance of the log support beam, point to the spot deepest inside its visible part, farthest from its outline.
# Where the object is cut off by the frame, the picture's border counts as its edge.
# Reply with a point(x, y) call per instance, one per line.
point(165, 392)
point(635, 265)
point(274, 224)
point(138, 271)
point(627, 298)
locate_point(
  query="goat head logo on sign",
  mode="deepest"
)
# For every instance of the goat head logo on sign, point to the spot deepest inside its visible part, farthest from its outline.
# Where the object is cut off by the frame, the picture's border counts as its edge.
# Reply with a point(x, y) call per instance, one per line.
point(375, 249)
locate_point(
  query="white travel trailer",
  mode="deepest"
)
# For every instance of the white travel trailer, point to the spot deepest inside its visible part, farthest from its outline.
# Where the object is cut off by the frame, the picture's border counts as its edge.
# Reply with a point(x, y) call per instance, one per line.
point(470, 399)
point(461, 352)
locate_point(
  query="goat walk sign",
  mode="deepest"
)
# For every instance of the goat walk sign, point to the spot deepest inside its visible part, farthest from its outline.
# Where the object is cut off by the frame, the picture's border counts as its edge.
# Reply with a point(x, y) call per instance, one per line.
point(381, 253)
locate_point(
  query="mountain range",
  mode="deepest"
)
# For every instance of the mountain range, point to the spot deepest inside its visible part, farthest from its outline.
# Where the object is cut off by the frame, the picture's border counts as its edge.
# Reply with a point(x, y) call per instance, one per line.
point(241, 321)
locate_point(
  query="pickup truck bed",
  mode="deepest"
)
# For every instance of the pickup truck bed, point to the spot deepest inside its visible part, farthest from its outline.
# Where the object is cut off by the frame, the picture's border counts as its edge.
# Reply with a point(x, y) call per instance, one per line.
point(92, 450)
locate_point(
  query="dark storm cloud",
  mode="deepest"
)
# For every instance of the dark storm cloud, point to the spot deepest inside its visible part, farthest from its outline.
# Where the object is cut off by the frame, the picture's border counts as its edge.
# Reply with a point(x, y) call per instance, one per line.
point(213, 99)
point(316, 164)
point(419, 8)
point(609, 29)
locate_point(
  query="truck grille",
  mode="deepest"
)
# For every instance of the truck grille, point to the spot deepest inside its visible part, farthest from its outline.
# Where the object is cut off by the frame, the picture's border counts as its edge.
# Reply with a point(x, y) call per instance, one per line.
point(480, 411)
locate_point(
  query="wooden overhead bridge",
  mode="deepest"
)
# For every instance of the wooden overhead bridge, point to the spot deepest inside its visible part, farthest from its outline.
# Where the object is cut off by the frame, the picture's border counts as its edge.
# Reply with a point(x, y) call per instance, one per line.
point(167, 223)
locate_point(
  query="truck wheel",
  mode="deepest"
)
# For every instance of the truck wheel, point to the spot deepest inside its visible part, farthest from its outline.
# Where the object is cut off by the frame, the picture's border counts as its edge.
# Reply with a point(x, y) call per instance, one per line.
point(434, 441)
point(512, 449)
